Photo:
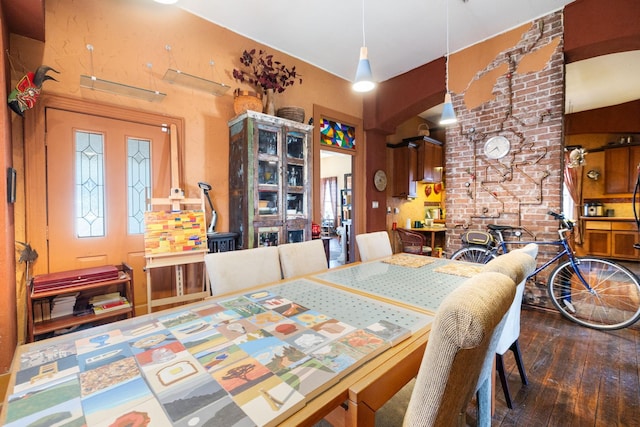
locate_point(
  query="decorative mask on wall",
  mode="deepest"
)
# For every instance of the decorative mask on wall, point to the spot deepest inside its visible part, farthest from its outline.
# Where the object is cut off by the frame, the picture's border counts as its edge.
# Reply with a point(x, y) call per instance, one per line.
point(27, 91)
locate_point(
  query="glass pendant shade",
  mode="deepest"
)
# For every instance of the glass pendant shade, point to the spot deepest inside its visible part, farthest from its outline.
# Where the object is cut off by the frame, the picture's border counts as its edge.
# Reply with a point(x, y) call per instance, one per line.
point(448, 115)
point(364, 78)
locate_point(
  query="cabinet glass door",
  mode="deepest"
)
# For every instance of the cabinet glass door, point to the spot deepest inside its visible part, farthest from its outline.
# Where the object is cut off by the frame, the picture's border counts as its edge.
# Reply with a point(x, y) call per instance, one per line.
point(268, 236)
point(268, 171)
point(294, 180)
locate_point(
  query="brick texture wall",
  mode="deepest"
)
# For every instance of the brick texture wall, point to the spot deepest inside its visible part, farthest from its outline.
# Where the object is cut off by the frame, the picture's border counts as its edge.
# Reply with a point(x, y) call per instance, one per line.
point(525, 105)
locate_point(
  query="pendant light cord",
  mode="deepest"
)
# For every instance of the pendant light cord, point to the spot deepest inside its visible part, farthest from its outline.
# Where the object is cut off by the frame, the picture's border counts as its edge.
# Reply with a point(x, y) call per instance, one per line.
point(364, 41)
point(446, 74)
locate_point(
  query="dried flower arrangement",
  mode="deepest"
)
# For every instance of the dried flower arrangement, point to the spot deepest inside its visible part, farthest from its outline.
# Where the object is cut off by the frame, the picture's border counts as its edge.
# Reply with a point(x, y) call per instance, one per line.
point(261, 71)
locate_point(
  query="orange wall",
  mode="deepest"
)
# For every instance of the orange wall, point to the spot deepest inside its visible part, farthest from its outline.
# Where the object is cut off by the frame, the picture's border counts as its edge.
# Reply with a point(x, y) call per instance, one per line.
point(7, 255)
point(127, 36)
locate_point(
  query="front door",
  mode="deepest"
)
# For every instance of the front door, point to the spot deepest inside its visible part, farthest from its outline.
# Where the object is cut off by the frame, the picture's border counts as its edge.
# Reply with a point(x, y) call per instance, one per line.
point(100, 172)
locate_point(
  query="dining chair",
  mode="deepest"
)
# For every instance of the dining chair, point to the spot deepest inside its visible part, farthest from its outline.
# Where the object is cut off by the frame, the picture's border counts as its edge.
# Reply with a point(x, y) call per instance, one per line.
point(413, 242)
point(298, 259)
point(458, 345)
point(518, 264)
point(235, 270)
point(374, 245)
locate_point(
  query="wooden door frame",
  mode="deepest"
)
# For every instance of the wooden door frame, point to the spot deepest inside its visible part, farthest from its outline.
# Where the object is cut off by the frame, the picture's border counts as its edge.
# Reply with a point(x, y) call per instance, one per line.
point(357, 170)
point(35, 166)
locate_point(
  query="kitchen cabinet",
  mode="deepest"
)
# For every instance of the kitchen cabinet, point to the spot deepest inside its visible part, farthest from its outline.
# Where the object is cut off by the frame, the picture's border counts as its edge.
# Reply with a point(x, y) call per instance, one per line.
point(405, 163)
point(612, 239)
point(269, 180)
point(430, 161)
point(621, 165)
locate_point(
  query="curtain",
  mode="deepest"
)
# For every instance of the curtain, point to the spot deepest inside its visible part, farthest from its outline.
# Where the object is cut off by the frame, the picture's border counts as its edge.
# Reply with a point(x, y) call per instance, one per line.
point(329, 198)
point(573, 182)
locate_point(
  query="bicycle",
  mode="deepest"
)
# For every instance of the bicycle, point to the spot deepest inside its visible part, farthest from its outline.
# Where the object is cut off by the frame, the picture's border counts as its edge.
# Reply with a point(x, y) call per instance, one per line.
point(593, 292)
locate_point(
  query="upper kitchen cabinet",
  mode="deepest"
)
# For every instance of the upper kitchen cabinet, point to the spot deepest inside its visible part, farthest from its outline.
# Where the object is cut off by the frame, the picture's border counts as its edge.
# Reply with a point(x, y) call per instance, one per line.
point(405, 165)
point(269, 180)
point(621, 166)
point(430, 161)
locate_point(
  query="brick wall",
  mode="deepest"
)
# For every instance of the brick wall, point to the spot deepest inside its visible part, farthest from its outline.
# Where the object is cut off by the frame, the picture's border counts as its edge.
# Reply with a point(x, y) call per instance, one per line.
point(525, 105)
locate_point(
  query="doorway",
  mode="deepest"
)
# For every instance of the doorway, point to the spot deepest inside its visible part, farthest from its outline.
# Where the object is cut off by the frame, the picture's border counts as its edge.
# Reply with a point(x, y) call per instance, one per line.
point(336, 207)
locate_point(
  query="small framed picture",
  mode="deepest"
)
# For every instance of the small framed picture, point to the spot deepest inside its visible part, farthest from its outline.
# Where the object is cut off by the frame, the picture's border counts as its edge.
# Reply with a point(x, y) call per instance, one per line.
point(347, 181)
point(11, 185)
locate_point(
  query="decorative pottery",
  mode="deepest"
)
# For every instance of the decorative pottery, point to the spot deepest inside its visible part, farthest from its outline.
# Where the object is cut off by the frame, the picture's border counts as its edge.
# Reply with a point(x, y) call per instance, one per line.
point(292, 113)
point(246, 100)
point(270, 107)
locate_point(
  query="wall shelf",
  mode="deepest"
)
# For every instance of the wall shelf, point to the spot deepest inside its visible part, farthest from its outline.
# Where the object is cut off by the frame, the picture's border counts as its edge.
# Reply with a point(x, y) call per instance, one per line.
point(94, 83)
point(194, 82)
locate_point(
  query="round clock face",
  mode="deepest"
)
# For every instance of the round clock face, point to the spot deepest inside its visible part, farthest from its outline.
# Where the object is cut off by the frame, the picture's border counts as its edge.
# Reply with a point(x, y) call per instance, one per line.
point(497, 147)
point(380, 180)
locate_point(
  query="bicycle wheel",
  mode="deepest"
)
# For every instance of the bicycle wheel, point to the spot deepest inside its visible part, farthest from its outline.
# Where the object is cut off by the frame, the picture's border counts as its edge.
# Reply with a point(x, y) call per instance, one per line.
point(613, 302)
point(477, 254)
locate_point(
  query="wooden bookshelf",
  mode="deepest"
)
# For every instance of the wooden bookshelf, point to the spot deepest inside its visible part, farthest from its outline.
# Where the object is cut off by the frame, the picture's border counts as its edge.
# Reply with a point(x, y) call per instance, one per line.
point(124, 285)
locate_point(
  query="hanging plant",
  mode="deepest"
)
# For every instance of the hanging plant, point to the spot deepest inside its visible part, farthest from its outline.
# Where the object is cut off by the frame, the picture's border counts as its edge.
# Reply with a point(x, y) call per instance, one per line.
point(262, 71)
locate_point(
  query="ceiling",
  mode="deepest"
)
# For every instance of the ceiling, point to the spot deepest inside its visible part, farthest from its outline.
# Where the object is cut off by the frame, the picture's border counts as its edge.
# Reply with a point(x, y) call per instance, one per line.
point(406, 34)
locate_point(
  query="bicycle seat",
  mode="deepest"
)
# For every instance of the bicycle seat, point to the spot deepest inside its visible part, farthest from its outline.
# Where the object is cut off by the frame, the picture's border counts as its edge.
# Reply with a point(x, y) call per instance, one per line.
point(497, 227)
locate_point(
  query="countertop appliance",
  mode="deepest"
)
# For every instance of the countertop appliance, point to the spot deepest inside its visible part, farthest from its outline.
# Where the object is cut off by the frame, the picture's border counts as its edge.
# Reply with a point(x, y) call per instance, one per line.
point(593, 209)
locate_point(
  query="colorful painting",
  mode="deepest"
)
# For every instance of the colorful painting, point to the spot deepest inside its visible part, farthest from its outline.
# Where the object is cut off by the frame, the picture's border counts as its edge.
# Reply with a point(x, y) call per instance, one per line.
point(167, 231)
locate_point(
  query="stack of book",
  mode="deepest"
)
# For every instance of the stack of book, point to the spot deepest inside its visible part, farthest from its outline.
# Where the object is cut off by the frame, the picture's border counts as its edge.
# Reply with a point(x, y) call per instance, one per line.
point(62, 305)
point(108, 302)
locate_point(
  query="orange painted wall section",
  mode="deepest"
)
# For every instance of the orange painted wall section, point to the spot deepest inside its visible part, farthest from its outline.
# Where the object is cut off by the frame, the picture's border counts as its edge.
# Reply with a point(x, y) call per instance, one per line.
point(464, 65)
point(129, 36)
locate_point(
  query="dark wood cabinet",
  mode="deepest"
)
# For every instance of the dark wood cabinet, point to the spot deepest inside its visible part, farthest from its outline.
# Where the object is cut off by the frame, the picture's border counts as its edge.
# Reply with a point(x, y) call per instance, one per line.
point(269, 180)
point(430, 161)
point(612, 239)
point(621, 166)
point(405, 163)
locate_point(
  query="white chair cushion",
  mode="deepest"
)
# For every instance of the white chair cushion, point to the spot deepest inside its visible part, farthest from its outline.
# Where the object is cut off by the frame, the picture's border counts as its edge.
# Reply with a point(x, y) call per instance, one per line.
point(298, 259)
point(236, 270)
point(374, 245)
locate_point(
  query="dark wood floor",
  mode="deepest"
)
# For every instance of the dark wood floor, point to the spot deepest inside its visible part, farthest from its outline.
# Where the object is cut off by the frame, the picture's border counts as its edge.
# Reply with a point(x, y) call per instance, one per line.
point(577, 376)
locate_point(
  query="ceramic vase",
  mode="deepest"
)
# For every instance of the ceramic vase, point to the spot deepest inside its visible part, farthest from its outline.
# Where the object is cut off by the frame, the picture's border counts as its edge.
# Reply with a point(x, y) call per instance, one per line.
point(270, 106)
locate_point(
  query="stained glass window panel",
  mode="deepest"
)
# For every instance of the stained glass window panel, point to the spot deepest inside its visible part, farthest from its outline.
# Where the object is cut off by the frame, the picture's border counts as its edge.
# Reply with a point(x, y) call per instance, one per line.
point(89, 183)
point(138, 182)
point(336, 134)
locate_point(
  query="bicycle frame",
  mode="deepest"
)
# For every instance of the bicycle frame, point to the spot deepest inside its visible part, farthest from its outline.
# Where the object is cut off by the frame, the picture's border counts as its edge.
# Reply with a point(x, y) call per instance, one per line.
point(502, 244)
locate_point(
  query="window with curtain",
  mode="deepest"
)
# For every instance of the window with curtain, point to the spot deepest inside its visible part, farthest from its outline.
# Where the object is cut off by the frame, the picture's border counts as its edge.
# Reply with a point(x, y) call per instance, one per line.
point(329, 198)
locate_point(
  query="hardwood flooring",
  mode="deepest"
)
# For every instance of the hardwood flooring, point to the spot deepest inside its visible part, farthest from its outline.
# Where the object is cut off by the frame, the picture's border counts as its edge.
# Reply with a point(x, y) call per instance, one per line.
point(577, 376)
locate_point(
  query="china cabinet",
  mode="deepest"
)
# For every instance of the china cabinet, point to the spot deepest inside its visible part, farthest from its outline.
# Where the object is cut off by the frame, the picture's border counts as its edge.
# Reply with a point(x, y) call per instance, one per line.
point(269, 180)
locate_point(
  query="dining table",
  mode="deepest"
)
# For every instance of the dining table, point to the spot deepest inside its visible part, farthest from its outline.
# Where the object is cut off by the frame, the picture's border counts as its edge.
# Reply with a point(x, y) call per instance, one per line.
point(338, 343)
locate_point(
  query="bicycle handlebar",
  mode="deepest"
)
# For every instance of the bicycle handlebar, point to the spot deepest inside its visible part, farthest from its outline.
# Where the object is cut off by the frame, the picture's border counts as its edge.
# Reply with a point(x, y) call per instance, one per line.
point(560, 217)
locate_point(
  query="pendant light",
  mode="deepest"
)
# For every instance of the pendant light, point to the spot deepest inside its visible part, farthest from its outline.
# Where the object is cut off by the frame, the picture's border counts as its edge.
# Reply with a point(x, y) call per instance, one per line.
point(448, 114)
point(364, 78)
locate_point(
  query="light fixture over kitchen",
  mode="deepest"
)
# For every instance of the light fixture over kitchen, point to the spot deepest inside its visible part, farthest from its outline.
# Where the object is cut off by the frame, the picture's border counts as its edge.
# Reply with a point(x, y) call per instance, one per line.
point(448, 114)
point(364, 77)
point(166, 1)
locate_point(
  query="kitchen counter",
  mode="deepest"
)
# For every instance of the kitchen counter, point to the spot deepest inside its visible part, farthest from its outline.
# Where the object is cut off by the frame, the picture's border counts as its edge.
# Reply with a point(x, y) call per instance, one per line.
point(608, 218)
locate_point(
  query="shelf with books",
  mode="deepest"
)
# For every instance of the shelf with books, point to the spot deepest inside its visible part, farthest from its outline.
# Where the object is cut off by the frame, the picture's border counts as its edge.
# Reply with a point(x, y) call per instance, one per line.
point(73, 291)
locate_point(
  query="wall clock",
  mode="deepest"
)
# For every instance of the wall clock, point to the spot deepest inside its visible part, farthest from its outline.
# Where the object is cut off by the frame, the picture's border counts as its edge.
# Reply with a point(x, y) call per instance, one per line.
point(497, 147)
point(380, 180)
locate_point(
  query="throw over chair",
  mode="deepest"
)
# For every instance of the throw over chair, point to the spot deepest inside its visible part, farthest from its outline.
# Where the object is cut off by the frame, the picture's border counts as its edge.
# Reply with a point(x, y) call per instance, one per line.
point(413, 242)
point(374, 245)
point(457, 348)
point(298, 259)
point(237, 270)
point(521, 263)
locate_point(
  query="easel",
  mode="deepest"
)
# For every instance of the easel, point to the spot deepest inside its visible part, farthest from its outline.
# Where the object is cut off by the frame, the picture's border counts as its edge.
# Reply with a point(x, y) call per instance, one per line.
point(178, 260)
